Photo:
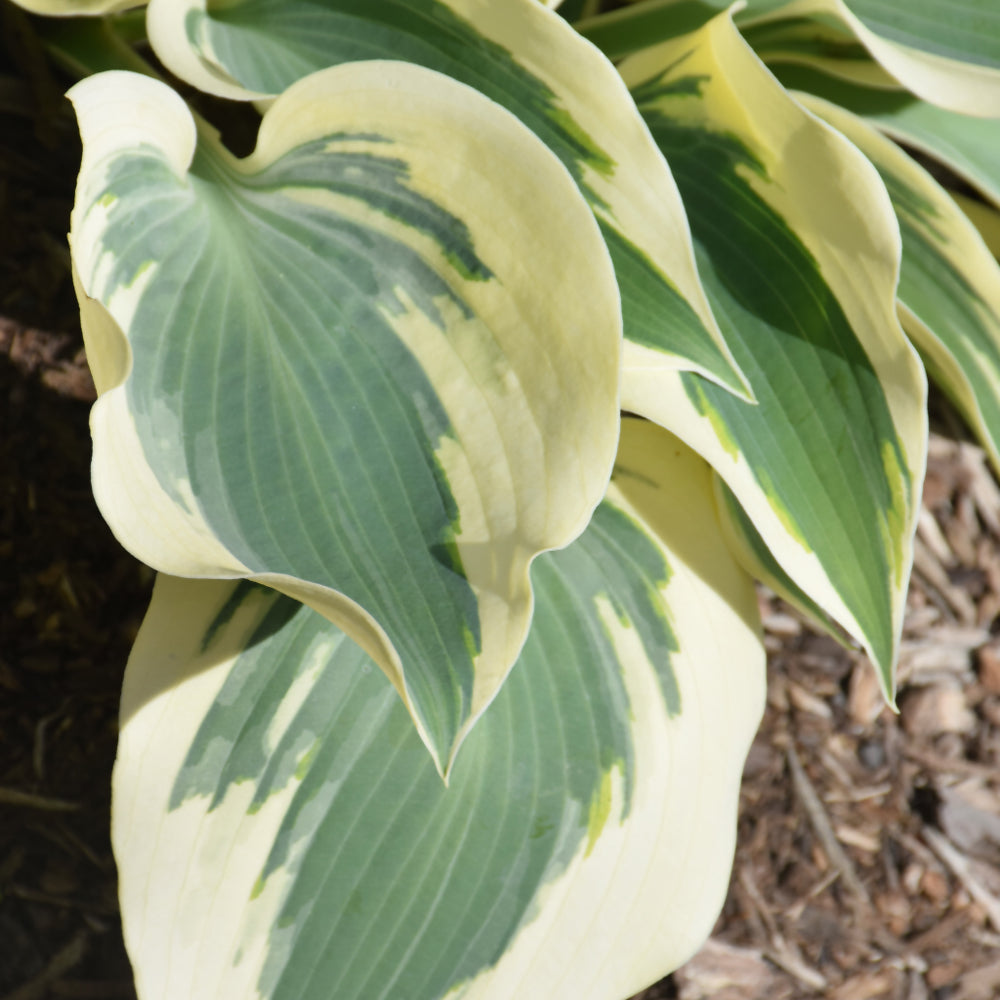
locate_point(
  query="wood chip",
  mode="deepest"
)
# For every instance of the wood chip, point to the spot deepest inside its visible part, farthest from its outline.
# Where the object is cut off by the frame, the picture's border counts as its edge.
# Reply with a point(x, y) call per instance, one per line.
point(865, 701)
point(943, 651)
point(965, 873)
point(988, 662)
point(824, 830)
point(721, 971)
point(867, 986)
point(861, 839)
point(783, 953)
point(930, 533)
point(805, 701)
point(936, 709)
point(782, 624)
point(949, 765)
point(981, 485)
point(925, 563)
point(980, 984)
point(969, 814)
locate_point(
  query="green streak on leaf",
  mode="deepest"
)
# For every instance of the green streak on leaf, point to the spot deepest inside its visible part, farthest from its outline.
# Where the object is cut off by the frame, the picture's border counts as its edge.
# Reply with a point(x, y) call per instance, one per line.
point(656, 315)
point(695, 389)
point(268, 44)
point(378, 181)
point(629, 29)
point(600, 810)
point(793, 528)
point(241, 592)
point(302, 768)
point(661, 87)
point(769, 569)
point(541, 828)
point(301, 301)
point(815, 441)
point(633, 572)
point(910, 203)
point(894, 527)
point(532, 786)
point(258, 887)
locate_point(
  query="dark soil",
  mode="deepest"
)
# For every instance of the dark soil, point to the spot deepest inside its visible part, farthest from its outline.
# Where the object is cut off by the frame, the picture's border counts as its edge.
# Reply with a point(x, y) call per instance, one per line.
point(869, 842)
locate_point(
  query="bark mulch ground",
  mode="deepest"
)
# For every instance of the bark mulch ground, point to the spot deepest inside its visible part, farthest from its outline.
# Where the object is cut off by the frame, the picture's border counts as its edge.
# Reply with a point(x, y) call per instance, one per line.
point(868, 863)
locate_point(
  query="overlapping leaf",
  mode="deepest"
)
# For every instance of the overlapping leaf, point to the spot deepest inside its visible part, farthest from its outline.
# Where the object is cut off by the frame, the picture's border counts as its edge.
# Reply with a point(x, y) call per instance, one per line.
point(984, 217)
point(946, 52)
point(967, 145)
point(529, 60)
point(280, 832)
point(949, 289)
point(798, 248)
point(822, 45)
point(755, 557)
point(338, 367)
point(623, 30)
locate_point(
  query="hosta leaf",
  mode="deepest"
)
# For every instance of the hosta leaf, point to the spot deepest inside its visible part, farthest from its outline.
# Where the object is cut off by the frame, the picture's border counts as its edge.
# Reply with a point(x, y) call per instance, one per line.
point(799, 250)
point(640, 24)
point(946, 51)
point(623, 30)
point(967, 145)
point(984, 217)
point(340, 368)
point(572, 10)
point(949, 289)
point(755, 557)
point(75, 8)
point(280, 833)
point(821, 44)
point(529, 60)
point(94, 45)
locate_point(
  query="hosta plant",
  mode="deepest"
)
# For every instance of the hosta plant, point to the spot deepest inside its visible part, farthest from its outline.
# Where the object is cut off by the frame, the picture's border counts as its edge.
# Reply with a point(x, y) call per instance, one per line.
point(450, 670)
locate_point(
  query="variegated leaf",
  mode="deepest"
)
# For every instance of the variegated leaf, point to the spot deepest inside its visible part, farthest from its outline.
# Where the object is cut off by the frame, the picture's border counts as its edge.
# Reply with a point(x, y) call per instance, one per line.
point(573, 10)
point(945, 51)
point(340, 367)
point(755, 557)
point(76, 8)
point(799, 251)
point(526, 58)
point(984, 217)
point(966, 145)
point(623, 30)
point(281, 834)
point(640, 24)
point(92, 45)
point(949, 288)
point(821, 44)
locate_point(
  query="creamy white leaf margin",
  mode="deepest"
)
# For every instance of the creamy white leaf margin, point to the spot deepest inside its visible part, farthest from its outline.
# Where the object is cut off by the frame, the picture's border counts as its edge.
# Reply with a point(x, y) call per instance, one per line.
point(633, 194)
point(503, 376)
point(854, 241)
point(965, 87)
point(632, 902)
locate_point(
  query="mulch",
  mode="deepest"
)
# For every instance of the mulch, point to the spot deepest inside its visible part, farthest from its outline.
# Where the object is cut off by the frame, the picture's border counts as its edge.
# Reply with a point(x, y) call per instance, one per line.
point(868, 860)
point(868, 863)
